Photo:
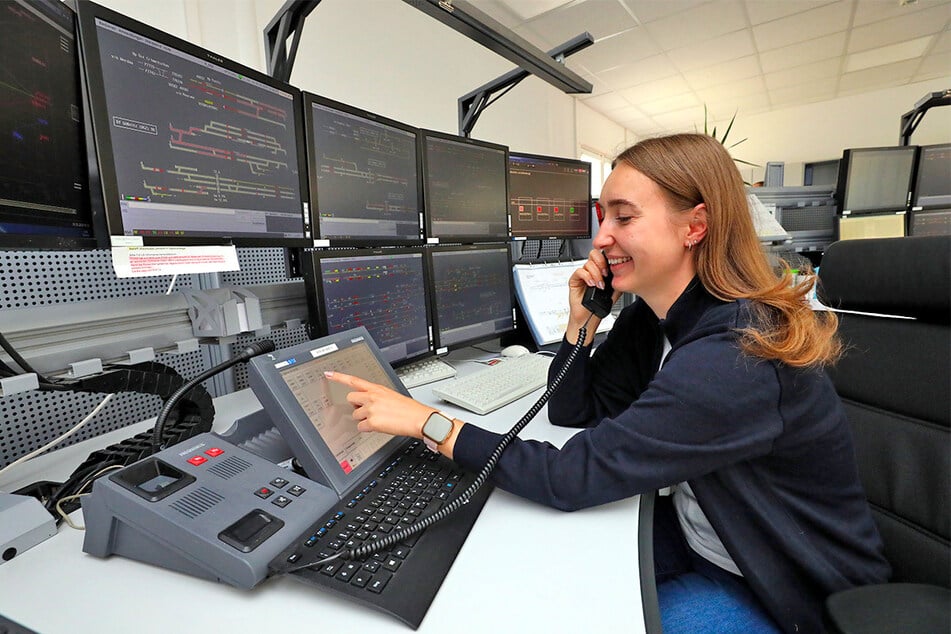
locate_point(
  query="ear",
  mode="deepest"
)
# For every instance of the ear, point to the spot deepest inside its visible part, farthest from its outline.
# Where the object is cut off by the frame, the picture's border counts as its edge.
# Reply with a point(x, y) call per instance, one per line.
point(697, 228)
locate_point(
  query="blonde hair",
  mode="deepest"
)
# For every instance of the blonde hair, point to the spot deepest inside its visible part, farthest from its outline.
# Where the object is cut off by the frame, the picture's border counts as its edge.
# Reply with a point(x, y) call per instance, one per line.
point(696, 168)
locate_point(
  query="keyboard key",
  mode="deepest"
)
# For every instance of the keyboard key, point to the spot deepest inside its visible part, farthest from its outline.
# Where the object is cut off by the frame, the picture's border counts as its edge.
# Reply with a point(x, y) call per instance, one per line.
point(361, 579)
point(379, 581)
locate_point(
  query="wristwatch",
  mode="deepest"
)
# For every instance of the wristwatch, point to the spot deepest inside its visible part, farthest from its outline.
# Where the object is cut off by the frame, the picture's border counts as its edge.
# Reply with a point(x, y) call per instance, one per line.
point(436, 430)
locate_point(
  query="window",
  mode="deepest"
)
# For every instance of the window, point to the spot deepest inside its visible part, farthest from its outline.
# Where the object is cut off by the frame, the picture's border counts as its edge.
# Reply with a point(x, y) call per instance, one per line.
point(600, 168)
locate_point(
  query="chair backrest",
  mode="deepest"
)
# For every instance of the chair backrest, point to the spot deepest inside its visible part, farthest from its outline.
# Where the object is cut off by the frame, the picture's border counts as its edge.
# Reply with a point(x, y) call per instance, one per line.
point(894, 380)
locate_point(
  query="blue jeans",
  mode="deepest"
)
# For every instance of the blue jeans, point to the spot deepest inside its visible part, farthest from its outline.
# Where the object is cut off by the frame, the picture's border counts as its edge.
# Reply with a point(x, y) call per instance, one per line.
point(696, 596)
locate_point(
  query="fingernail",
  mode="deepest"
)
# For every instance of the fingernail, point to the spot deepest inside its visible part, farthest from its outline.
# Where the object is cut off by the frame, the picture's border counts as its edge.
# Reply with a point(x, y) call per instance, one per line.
point(328, 373)
point(601, 285)
point(604, 272)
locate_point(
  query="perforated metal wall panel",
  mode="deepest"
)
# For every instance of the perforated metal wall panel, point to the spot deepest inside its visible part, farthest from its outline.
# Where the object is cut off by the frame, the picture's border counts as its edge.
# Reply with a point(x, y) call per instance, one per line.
point(39, 278)
point(258, 266)
point(811, 218)
point(30, 279)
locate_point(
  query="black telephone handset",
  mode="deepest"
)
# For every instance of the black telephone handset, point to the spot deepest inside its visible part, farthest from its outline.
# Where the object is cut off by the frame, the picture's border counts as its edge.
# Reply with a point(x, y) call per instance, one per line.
point(599, 301)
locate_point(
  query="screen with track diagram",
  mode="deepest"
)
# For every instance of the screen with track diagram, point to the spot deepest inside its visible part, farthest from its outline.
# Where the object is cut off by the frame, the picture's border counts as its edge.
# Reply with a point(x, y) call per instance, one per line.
point(466, 185)
point(190, 147)
point(386, 294)
point(364, 175)
point(472, 293)
point(549, 197)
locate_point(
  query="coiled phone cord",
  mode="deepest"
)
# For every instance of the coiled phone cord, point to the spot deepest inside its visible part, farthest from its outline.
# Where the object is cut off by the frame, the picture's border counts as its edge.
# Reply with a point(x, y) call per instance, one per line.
point(390, 540)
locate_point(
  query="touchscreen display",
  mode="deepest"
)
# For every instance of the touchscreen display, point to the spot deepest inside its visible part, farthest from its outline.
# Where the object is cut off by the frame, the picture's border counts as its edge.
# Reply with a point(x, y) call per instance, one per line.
point(325, 402)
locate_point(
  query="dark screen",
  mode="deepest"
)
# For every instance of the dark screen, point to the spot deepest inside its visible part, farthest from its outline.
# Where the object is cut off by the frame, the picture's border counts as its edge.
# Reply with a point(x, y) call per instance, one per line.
point(933, 188)
point(43, 191)
point(549, 197)
point(466, 189)
point(365, 176)
point(384, 293)
point(472, 294)
point(190, 145)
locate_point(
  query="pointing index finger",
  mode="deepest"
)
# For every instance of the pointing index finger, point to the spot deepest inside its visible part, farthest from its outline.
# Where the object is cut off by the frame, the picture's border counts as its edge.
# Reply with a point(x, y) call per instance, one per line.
point(348, 379)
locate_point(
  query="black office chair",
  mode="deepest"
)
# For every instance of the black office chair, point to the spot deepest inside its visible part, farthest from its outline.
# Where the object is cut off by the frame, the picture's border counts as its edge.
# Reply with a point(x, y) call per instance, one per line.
point(894, 381)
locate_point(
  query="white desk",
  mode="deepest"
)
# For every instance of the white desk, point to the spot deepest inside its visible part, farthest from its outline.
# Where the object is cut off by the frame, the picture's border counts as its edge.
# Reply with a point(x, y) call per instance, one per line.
point(523, 568)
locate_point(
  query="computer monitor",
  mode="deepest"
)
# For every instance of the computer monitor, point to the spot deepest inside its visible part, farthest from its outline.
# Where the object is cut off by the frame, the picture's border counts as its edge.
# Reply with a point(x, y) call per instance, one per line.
point(473, 294)
point(774, 174)
point(875, 180)
point(383, 290)
point(44, 196)
point(549, 197)
point(932, 222)
point(933, 178)
point(466, 187)
point(819, 173)
point(365, 180)
point(192, 148)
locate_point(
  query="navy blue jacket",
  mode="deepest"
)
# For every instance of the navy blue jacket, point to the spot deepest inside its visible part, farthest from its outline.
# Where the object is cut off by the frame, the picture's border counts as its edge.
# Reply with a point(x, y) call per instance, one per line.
point(765, 447)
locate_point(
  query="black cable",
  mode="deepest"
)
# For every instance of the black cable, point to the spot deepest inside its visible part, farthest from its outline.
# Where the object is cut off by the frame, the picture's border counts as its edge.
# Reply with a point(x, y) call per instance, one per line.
point(5, 370)
point(256, 348)
point(20, 361)
point(390, 540)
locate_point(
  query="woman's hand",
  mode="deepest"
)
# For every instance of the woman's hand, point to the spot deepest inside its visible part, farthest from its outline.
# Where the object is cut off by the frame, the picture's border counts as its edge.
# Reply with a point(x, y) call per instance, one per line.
point(592, 273)
point(378, 408)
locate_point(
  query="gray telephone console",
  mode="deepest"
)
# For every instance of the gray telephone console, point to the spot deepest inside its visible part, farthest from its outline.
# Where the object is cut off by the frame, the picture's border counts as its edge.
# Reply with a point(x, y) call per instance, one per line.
point(203, 507)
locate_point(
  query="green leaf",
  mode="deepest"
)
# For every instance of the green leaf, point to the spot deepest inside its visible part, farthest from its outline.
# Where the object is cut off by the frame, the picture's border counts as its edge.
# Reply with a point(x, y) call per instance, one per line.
point(706, 126)
point(730, 127)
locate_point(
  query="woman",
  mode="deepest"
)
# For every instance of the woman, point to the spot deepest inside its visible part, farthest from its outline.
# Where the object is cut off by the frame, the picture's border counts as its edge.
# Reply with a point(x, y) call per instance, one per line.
point(711, 384)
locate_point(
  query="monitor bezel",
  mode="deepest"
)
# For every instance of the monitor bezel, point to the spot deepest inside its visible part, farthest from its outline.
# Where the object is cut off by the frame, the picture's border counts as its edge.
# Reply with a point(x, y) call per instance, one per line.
point(294, 424)
point(52, 241)
point(482, 246)
point(845, 167)
point(311, 99)
point(565, 235)
point(314, 290)
point(915, 205)
point(432, 238)
point(101, 141)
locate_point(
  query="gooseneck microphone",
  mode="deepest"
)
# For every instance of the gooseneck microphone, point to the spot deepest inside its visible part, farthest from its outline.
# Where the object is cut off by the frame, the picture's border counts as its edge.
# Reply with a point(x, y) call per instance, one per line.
point(253, 350)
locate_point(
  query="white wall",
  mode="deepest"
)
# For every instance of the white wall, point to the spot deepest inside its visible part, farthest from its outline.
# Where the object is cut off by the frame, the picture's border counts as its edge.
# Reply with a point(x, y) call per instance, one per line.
point(820, 131)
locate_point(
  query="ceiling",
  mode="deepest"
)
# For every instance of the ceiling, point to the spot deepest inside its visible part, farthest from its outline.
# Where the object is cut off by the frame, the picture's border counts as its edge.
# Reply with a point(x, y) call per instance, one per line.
point(655, 64)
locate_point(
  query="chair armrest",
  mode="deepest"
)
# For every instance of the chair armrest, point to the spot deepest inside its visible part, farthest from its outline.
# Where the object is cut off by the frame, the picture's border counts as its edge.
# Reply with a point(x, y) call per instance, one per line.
point(889, 607)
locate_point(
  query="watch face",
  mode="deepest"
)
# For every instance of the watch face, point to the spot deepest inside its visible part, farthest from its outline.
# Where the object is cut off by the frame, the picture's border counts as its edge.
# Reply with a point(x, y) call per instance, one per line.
point(437, 427)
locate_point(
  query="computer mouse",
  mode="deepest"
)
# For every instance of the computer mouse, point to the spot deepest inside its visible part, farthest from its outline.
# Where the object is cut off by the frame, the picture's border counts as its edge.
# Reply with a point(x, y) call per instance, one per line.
point(514, 351)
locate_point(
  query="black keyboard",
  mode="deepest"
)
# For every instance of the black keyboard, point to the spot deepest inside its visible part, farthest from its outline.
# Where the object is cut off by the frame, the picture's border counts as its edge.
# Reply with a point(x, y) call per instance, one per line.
point(404, 580)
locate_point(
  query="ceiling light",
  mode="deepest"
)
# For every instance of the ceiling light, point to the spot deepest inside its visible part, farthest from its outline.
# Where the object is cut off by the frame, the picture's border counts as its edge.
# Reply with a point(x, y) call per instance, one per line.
point(887, 54)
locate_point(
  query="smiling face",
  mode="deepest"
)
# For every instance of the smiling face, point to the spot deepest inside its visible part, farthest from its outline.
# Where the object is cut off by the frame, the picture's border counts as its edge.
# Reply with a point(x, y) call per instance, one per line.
point(645, 240)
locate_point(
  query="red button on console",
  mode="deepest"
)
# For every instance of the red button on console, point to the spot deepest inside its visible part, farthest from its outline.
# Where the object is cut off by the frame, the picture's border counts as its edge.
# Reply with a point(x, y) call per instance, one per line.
point(214, 452)
point(197, 460)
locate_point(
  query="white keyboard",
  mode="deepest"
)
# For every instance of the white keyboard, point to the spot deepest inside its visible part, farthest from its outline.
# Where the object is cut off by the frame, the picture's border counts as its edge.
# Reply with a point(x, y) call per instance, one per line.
point(497, 385)
point(425, 371)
